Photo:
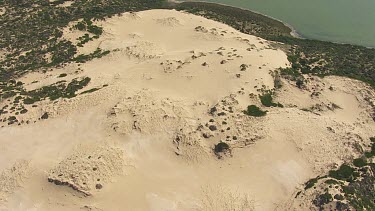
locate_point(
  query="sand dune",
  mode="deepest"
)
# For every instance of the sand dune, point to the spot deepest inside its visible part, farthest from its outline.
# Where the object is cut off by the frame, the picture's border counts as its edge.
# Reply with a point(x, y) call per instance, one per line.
point(175, 86)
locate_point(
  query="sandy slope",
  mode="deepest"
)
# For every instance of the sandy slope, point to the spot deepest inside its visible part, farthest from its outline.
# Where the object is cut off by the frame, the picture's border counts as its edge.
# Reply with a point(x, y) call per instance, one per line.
point(144, 141)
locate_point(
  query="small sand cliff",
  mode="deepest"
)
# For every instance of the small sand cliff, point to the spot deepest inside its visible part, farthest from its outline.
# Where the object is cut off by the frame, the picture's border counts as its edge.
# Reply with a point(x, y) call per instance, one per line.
point(161, 124)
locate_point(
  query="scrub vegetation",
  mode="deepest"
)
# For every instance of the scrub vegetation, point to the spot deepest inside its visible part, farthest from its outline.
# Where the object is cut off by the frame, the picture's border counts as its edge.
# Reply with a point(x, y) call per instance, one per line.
point(307, 56)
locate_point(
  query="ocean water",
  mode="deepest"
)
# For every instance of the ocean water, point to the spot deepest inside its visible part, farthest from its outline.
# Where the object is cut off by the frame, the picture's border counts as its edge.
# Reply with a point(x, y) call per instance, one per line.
point(342, 21)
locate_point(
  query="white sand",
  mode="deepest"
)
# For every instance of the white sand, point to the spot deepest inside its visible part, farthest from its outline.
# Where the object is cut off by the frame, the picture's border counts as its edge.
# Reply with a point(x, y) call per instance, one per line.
point(166, 71)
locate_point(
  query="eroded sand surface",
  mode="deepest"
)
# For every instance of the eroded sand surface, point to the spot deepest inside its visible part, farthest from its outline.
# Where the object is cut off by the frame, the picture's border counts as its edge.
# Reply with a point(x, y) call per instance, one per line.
point(176, 85)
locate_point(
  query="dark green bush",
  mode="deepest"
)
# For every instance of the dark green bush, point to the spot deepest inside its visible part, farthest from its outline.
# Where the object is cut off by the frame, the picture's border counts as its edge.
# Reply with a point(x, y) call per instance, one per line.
point(345, 172)
point(267, 100)
point(359, 162)
point(253, 110)
point(221, 147)
point(62, 75)
point(309, 184)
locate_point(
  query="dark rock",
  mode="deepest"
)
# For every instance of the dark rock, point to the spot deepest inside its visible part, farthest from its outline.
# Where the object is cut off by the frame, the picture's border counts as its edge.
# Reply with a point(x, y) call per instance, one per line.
point(206, 135)
point(221, 114)
point(212, 127)
point(243, 67)
point(213, 110)
point(44, 116)
point(98, 186)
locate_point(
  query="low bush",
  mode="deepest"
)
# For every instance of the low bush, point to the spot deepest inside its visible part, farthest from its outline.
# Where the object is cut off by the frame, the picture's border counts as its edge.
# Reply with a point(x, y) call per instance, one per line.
point(253, 110)
point(359, 162)
point(221, 147)
point(345, 172)
point(267, 100)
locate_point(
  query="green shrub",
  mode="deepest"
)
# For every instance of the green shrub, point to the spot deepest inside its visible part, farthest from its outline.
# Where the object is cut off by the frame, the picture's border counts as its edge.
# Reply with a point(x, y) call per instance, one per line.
point(309, 184)
point(359, 162)
point(331, 182)
point(221, 147)
point(267, 100)
point(12, 118)
point(290, 73)
point(323, 199)
point(345, 172)
point(299, 83)
point(253, 110)
point(90, 90)
point(62, 75)
point(371, 153)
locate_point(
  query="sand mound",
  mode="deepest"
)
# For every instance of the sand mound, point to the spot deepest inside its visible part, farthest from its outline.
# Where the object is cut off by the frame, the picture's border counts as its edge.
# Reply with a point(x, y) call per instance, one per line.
point(208, 34)
point(170, 22)
point(147, 115)
point(88, 168)
point(169, 118)
point(12, 178)
point(201, 29)
point(171, 66)
point(144, 50)
point(228, 123)
point(189, 145)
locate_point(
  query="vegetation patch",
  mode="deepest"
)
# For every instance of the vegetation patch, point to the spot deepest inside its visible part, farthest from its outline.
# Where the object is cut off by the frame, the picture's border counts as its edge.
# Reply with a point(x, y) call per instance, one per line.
point(55, 91)
point(32, 34)
point(322, 199)
point(87, 25)
point(356, 180)
point(62, 75)
point(267, 100)
point(293, 74)
point(359, 162)
point(221, 147)
point(309, 184)
point(307, 56)
point(345, 172)
point(90, 90)
point(98, 53)
point(253, 110)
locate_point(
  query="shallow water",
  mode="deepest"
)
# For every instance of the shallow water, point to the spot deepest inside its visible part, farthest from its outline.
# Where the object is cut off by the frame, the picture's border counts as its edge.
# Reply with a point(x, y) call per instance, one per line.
point(343, 21)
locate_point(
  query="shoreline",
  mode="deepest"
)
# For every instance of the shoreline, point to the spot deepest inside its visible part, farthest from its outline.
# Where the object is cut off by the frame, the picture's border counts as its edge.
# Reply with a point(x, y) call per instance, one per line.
point(294, 33)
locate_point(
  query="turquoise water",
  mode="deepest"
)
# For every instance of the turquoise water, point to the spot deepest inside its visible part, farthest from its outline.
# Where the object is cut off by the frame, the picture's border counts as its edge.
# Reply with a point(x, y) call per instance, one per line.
point(343, 21)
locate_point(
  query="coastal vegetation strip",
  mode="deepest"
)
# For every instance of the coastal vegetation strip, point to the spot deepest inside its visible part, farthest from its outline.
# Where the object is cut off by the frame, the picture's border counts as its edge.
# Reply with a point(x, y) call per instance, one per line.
point(349, 186)
point(32, 37)
point(307, 56)
point(32, 31)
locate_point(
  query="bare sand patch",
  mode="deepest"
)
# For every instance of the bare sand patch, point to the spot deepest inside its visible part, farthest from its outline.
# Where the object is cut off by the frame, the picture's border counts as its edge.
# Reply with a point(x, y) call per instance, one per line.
point(13, 178)
point(88, 168)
